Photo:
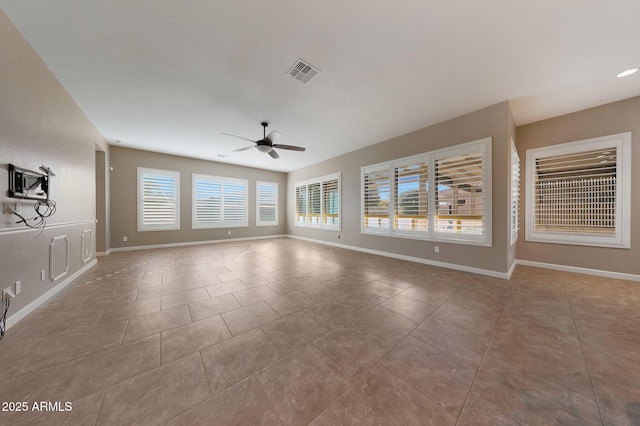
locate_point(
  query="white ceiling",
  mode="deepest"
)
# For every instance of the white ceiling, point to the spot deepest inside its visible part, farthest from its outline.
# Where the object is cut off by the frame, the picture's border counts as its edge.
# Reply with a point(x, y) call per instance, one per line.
point(170, 76)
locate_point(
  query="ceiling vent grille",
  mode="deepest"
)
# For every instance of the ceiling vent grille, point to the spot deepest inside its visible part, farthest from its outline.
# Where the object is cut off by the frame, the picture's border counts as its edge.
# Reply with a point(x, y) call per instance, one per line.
point(303, 71)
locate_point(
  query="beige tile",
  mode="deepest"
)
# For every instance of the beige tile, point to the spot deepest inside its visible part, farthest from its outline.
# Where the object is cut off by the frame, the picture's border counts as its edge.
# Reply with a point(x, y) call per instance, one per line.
point(157, 395)
point(409, 308)
point(437, 375)
point(153, 323)
point(75, 345)
point(225, 288)
point(102, 369)
point(125, 311)
point(82, 411)
point(257, 280)
point(252, 316)
point(189, 338)
point(302, 385)
point(289, 303)
point(30, 388)
point(242, 404)
point(212, 307)
point(294, 331)
point(381, 398)
point(235, 359)
point(183, 298)
point(254, 295)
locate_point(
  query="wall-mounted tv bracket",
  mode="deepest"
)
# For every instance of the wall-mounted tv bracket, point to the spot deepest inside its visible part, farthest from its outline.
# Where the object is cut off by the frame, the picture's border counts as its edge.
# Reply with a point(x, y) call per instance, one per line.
point(30, 185)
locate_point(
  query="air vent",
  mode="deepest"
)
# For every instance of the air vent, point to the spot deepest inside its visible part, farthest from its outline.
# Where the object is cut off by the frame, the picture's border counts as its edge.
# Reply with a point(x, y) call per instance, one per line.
point(303, 71)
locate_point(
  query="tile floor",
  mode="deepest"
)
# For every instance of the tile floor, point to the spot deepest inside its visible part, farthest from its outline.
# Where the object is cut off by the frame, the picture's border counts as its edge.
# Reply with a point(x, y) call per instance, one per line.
point(288, 332)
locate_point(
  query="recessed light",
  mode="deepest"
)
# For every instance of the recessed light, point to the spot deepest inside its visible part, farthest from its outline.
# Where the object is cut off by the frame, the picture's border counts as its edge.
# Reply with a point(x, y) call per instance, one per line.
point(223, 156)
point(118, 141)
point(627, 72)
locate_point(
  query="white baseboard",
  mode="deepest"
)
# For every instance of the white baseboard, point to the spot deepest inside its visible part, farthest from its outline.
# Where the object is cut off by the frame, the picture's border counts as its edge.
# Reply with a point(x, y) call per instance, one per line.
point(487, 272)
point(15, 318)
point(579, 270)
point(192, 243)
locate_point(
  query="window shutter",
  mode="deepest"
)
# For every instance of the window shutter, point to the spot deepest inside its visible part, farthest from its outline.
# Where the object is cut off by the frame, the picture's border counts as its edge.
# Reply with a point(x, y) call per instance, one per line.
point(460, 195)
point(301, 204)
point(377, 199)
point(219, 202)
point(580, 192)
point(235, 203)
point(208, 196)
point(314, 203)
point(267, 202)
point(331, 202)
point(411, 213)
point(515, 193)
point(158, 200)
point(577, 192)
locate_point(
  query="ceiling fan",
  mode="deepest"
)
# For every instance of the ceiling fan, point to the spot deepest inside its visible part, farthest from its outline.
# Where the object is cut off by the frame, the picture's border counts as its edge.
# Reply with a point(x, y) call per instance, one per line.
point(266, 144)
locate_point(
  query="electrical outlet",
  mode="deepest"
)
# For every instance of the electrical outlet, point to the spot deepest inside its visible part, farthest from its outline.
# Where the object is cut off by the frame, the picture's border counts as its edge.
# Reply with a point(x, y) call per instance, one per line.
point(18, 287)
point(7, 293)
point(10, 208)
point(436, 249)
point(228, 232)
point(125, 239)
point(43, 275)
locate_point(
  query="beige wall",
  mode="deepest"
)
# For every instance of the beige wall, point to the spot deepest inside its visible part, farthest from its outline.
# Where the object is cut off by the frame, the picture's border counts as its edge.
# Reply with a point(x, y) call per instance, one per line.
point(489, 122)
point(41, 124)
point(604, 120)
point(123, 199)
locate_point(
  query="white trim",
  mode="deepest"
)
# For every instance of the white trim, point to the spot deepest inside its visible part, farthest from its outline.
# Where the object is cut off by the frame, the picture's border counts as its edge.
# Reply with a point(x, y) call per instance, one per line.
point(513, 268)
point(479, 271)
point(580, 270)
point(6, 231)
point(15, 318)
point(54, 240)
point(83, 248)
point(193, 243)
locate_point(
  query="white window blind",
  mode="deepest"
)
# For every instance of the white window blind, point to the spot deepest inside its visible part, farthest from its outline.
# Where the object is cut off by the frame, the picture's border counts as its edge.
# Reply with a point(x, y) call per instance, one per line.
point(376, 193)
point(460, 194)
point(578, 192)
point(158, 200)
point(331, 202)
point(301, 204)
point(439, 195)
point(412, 197)
point(515, 193)
point(318, 202)
point(266, 203)
point(219, 202)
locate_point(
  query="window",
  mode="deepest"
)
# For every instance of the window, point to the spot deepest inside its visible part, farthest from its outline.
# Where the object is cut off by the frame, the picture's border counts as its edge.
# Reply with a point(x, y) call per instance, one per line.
point(158, 200)
point(219, 202)
point(266, 204)
point(318, 202)
point(579, 192)
point(439, 195)
point(515, 193)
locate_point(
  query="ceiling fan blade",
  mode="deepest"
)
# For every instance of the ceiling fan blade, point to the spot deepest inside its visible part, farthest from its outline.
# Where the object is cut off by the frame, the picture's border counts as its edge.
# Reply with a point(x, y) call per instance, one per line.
point(243, 149)
point(273, 136)
point(274, 154)
point(236, 136)
point(290, 147)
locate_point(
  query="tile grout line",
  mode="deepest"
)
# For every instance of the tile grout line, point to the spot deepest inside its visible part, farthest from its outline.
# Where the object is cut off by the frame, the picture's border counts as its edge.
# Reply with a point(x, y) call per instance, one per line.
point(586, 363)
point(265, 393)
point(486, 353)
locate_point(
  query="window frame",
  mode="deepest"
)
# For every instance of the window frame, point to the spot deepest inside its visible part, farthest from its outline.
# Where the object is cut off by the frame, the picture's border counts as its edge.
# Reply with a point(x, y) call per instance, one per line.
point(273, 185)
point(431, 234)
point(322, 218)
point(195, 224)
point(621, 237)
point(173, 174)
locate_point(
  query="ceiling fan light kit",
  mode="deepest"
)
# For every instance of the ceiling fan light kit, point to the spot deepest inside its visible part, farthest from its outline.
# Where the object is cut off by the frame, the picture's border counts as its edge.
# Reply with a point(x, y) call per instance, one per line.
point(266, 144)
